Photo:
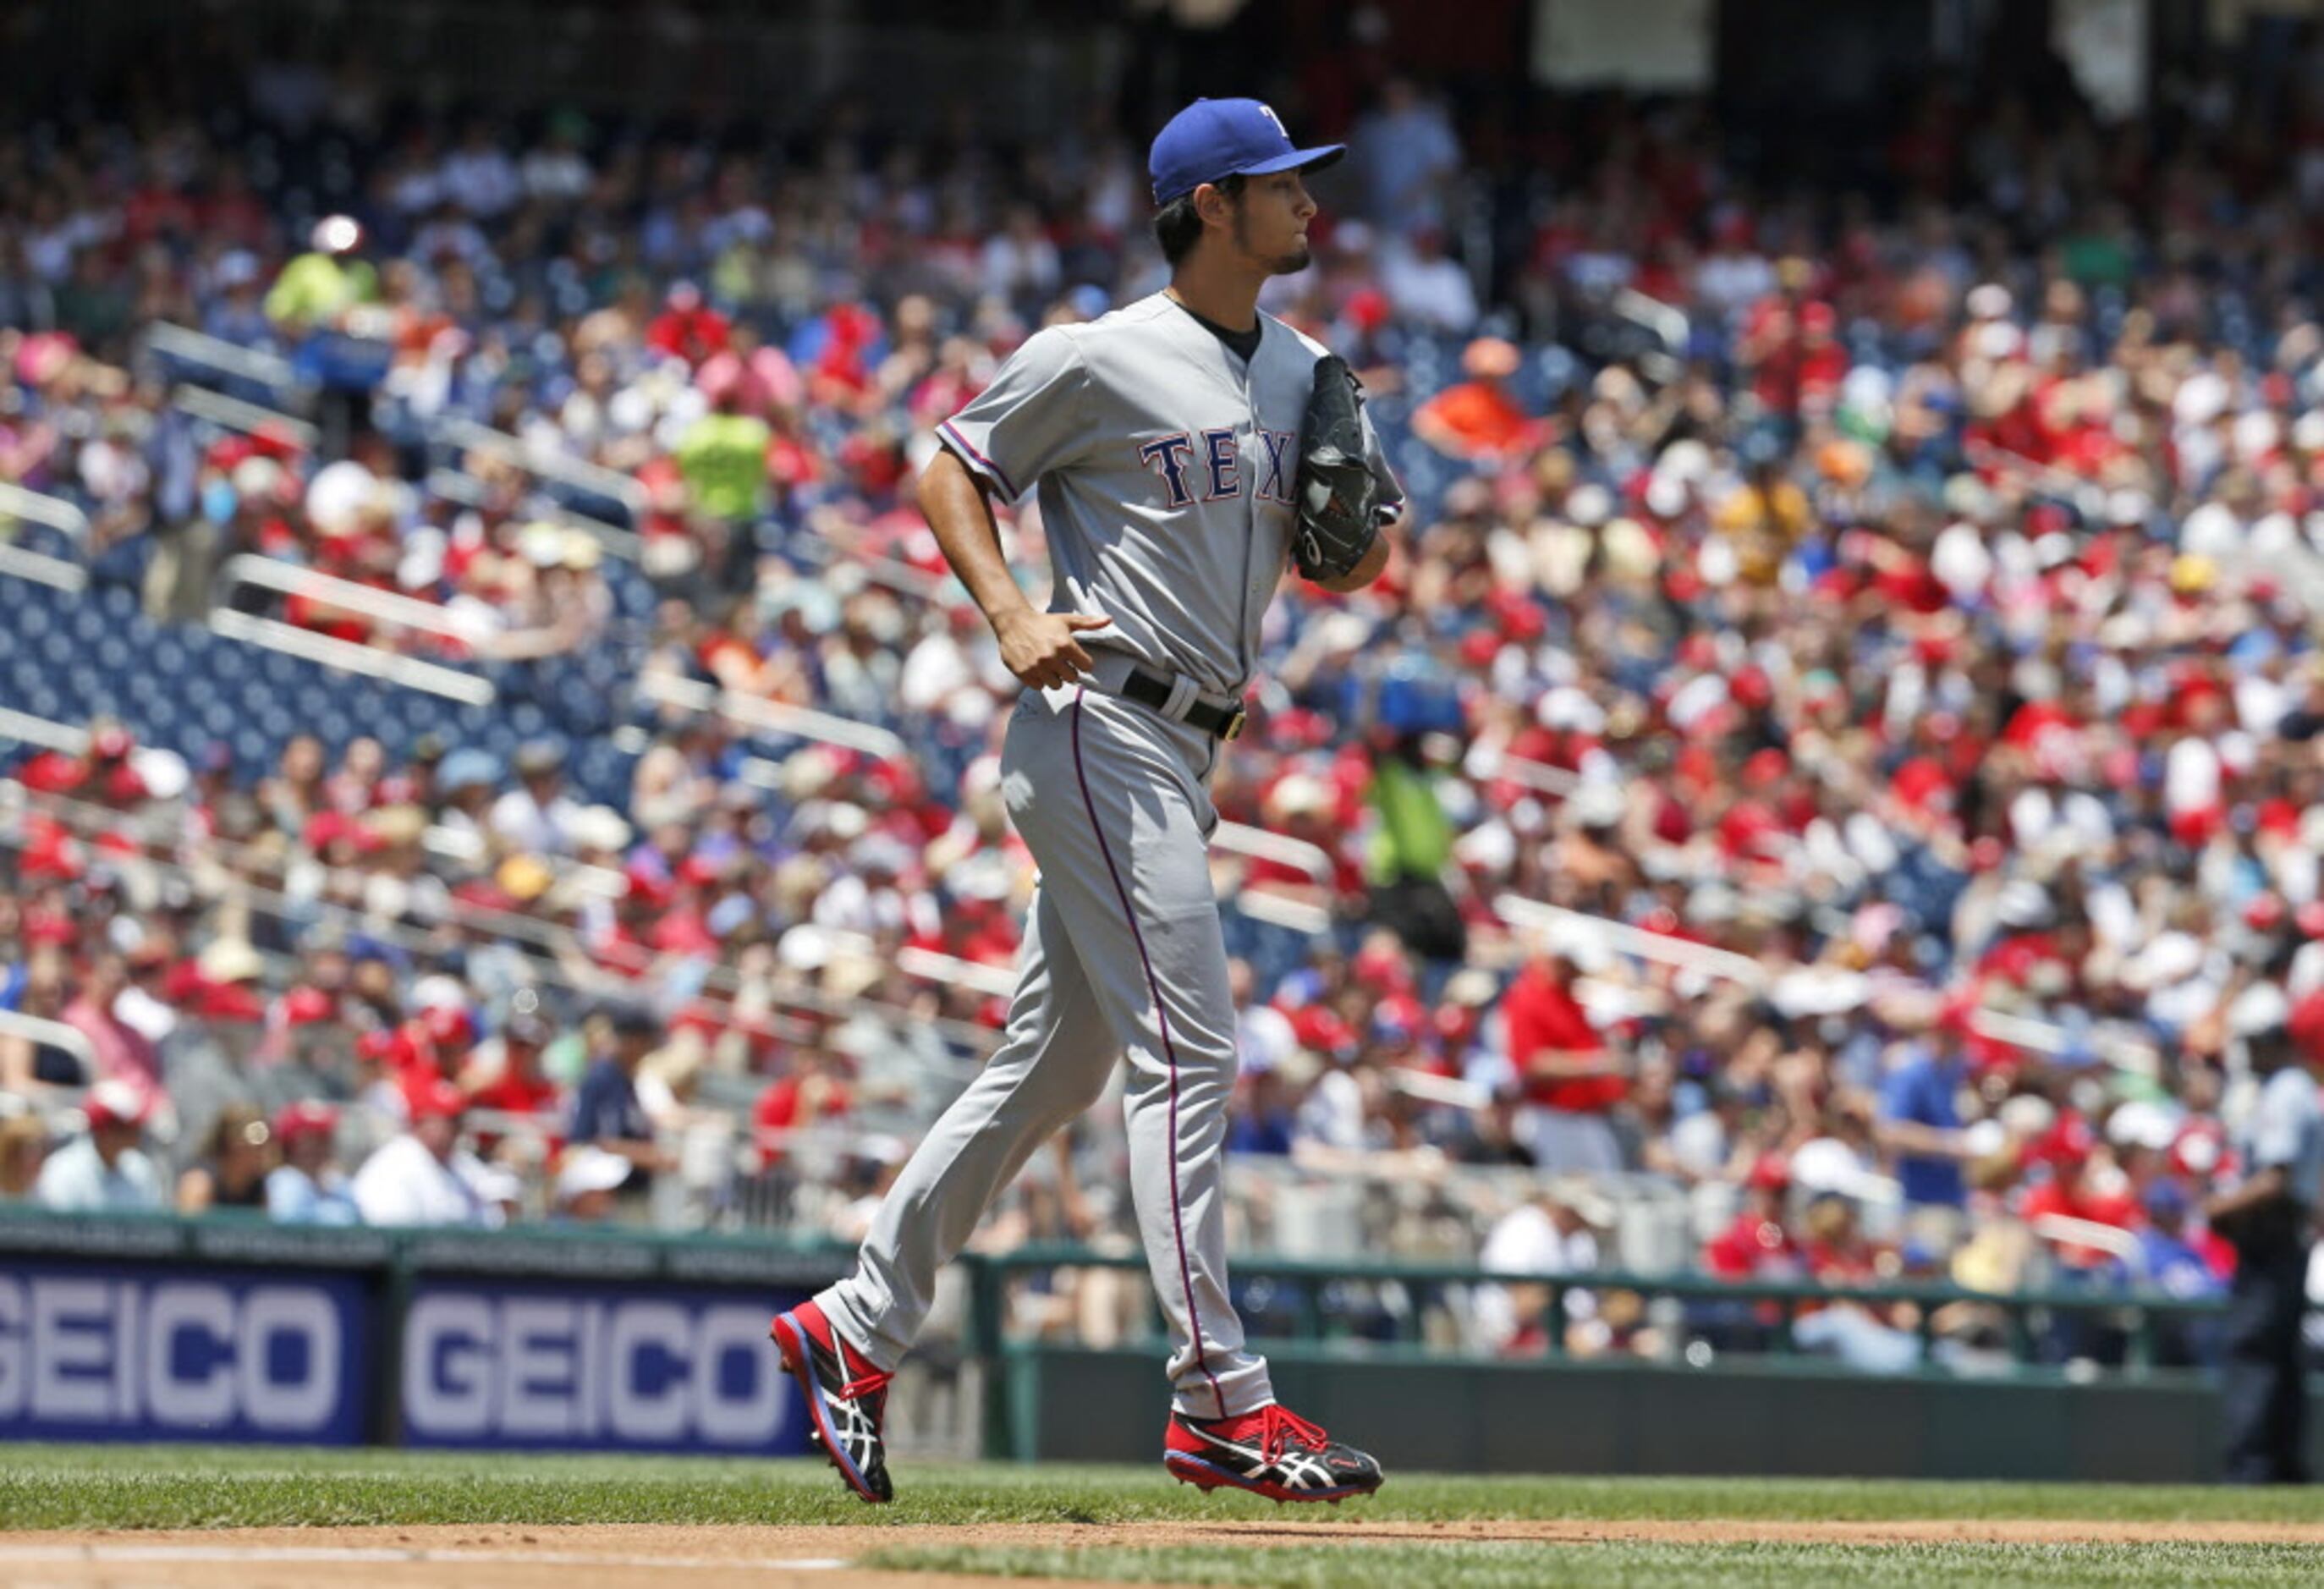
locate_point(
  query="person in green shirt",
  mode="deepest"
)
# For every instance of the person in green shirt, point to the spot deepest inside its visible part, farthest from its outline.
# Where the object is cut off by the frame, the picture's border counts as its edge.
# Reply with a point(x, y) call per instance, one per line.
point(1410, 852)
point(723, 457)
point(322, 284)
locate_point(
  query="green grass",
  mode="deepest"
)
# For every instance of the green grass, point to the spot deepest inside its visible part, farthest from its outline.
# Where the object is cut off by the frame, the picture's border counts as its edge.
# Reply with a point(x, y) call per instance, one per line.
point(187, 1486)
point(1621, 1565)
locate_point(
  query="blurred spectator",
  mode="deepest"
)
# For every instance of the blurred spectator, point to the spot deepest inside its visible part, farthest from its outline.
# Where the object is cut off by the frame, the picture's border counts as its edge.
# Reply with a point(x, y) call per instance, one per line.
point(1571, 1079)
point(1759, 1243)
point(1920, 1123)
point(813, 1090)
point(2269, 1216)
point(1860, 1335)
point(1412, 851)
point(606, 1113)
point(422, 1176)
point(319, 287)
point(2168, 1261)
point(1547, 1235)
point(687, 328)
point(1408, 154)
point(1493, 1136)
point(212, 1063)
point(1426, 286)
point(510, 1065)
point(1261, 1120)
point(1477, 420)
point(232, 1170)
point(537, 817)
point(28, 1066)
point(105, 1169)
point(138, 1007)
point(23, 1148)
point(587, 1178)
point(308, 1187)
point(2074, 1190)
point(120, 1049)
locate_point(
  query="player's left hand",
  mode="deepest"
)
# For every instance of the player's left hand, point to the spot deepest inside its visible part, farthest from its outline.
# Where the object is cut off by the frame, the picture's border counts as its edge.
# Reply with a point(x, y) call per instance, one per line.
point(1336, 500)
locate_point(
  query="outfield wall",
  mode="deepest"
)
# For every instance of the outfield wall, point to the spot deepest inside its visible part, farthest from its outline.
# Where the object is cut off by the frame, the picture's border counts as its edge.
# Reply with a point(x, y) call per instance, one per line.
point(1756, 1417)
point(223, 1329)
point(159, 1329)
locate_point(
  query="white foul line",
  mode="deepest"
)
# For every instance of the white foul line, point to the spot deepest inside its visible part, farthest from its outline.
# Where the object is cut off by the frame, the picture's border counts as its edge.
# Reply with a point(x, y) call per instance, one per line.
point(316, 1553)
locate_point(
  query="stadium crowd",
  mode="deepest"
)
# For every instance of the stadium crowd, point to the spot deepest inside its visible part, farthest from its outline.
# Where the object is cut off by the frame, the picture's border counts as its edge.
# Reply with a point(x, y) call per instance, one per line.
point(1912, 652)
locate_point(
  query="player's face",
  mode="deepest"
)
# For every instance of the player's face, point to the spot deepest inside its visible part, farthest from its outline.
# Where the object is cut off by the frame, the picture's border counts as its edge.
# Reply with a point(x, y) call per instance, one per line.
point(1270, 224)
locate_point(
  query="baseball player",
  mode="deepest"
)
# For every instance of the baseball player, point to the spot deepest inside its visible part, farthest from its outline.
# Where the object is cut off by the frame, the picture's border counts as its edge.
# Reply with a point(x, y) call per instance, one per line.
point(1184, 449)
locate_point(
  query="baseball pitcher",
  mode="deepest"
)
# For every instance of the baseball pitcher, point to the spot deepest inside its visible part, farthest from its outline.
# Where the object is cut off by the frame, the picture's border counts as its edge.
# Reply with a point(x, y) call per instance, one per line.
point(1184, 449)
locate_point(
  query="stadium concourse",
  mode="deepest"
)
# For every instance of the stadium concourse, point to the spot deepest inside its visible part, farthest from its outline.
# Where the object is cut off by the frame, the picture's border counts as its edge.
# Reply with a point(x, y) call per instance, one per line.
point(1835, 762)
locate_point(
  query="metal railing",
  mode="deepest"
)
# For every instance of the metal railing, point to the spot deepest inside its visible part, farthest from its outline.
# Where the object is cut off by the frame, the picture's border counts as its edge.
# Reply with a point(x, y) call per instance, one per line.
point(50, 735)
point(353, 657)
point(235, 413)
point(186, 345)
point(1620, 938)
point(386, 606)
point(451, 486)
point(42, 569)
point(1241, 839)
point(468, 436)
point(54, 1034)
point(33, 507)
point(1778, 1305)
point(767, 716)
point(478, 635)
point(1274, 910)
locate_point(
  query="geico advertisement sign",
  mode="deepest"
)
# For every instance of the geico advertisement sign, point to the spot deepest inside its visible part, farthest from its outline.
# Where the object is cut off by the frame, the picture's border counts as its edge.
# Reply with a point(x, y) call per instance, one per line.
point(559, 1366)
point(171, 1353)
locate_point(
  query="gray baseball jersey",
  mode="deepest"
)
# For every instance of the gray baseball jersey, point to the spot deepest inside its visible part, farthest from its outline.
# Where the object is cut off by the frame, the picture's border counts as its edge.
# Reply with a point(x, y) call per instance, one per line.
point(1164, 468)
point(1165, 465)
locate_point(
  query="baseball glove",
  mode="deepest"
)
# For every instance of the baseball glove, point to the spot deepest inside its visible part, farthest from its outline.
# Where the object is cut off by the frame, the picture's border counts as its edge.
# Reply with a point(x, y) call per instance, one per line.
point(1335, 498)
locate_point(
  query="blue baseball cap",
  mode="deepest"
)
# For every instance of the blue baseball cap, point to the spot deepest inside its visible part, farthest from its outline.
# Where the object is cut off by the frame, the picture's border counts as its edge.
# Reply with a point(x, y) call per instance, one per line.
point(1215, 138)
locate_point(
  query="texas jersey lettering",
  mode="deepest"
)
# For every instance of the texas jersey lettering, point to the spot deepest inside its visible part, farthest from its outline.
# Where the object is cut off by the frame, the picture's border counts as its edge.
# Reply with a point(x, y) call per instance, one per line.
point(1221, 475)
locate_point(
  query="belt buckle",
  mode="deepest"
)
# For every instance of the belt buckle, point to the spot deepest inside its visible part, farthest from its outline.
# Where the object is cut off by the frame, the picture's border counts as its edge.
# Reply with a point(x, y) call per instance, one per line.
point(1233, 730)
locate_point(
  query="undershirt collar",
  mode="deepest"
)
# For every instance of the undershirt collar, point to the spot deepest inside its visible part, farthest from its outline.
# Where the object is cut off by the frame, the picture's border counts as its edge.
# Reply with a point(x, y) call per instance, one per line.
point(1241, 344)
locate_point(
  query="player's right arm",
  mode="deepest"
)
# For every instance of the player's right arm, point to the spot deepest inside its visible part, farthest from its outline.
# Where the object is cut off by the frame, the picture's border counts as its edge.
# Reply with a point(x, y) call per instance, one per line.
point(1036, 417)
point(1039, 648)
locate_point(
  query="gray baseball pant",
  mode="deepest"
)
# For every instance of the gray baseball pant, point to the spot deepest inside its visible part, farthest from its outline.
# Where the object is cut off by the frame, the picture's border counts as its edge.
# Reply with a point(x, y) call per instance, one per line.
point(1122, 954)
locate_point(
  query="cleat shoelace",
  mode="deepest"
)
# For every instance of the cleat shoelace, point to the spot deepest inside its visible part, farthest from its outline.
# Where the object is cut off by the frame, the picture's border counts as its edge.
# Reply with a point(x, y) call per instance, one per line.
point(1277, 1425)
point(865, 1385)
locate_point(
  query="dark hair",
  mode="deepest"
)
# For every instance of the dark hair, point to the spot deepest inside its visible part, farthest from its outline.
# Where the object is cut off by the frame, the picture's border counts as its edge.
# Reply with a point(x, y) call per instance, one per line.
point(1178, 225)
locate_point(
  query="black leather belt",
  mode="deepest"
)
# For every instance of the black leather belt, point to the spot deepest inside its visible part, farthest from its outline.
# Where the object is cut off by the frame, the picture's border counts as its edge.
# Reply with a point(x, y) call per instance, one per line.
point(1222, 723)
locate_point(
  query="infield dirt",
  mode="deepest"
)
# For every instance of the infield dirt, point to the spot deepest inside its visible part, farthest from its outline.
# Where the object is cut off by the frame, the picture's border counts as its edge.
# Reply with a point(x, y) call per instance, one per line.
point(731, 1557)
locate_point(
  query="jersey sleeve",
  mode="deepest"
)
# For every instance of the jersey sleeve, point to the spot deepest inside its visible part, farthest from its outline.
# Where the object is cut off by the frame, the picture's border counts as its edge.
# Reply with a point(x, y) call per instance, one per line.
point(1034, 418)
